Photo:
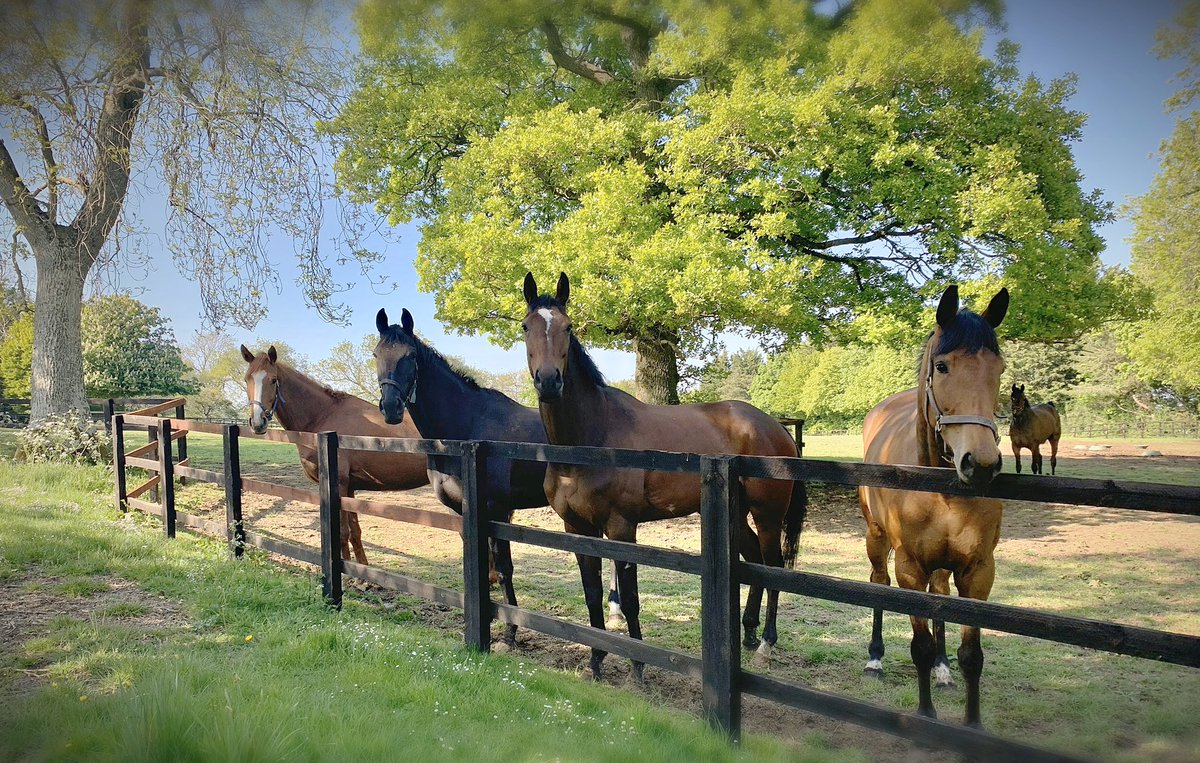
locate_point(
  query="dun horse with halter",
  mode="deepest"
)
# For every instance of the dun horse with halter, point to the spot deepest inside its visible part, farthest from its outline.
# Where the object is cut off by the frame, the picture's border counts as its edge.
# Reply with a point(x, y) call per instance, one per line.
point(578, 408)
point(446, 404)
point(303, 404)
point(945, 421)
point(1031, 426)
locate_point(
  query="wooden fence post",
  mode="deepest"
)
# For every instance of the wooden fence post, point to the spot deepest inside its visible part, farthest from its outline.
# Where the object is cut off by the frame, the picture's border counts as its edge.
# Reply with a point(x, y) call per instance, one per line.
point(234, 529)
point(166, 478)
point(477, 602)
point(181, 443)
point(109, 410)
point(331, 518)
point(118, 446)
point(800, 438)
point(152, 436)
point(720, 595)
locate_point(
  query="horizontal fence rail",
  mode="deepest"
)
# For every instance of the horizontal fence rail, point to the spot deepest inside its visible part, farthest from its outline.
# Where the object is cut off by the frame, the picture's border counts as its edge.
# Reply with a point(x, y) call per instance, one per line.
point(723, 681)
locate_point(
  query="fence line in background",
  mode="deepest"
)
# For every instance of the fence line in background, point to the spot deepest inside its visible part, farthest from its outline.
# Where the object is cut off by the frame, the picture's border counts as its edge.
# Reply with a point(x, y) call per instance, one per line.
point(723, 681)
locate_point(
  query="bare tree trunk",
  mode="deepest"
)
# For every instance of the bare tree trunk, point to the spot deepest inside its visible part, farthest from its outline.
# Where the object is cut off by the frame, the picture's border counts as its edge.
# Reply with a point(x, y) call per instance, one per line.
point(57, 346)
point(657, 370)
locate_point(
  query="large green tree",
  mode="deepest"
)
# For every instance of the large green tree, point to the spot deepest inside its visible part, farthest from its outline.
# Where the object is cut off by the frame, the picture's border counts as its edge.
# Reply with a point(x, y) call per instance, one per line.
point(208, 104)
point(129, 349)
point(1166, 239)
point(703, 167)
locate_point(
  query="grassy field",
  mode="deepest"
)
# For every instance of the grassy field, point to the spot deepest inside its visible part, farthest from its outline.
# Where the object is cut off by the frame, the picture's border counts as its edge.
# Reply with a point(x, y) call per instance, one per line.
point(1126, 566)
point(120, 645)
point(1130, 567)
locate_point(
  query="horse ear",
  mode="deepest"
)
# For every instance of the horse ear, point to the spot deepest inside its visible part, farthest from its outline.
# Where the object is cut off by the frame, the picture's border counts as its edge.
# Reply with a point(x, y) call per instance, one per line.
point(564, 289)
point(406, 321)
point(530, 289)
point(271, 354)
point(249, 356)
point(997, 308)
point(381, 320)
point(1022, 389)
point(947, 311)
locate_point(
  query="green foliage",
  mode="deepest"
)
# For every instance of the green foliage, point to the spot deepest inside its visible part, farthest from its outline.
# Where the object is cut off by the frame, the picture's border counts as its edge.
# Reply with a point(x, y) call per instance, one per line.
point(16, 357)
point(832, 389)
point(1049, 372)
point(350, 367)
point(700, 167)
point(129, 350)
point(725, 377)
point(1166, 239)
point(65, 438)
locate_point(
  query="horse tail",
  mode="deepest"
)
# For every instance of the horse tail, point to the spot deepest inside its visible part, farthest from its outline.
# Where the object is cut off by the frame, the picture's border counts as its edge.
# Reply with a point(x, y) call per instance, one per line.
point(793, 523)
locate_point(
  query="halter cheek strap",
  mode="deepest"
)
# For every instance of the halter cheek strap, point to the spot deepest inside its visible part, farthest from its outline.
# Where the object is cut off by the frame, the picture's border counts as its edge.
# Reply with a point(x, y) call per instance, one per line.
point(942, 419)
point(412, 394)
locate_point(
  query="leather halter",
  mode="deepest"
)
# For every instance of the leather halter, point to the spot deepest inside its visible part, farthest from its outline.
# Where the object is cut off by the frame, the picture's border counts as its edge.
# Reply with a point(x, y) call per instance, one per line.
point(268, 414)
point(388, 381)
point(944, 420)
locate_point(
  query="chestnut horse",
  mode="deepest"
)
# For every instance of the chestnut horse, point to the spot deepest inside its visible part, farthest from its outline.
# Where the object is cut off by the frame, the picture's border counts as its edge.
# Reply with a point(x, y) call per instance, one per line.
point(1031, 426)
point(578, 408)
point(945, 421)
point(303, 404)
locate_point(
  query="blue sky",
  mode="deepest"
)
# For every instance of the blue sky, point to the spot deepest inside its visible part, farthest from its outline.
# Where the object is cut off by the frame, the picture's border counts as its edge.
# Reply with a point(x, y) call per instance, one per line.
point(1121, 87)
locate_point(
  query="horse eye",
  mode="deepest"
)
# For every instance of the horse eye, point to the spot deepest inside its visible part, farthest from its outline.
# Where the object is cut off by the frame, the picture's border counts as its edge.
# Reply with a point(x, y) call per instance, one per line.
point(524, 328)
point(942, 368)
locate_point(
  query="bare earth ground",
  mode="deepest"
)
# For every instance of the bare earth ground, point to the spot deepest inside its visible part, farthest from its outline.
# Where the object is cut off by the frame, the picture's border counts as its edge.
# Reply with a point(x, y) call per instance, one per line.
point(1096, 553)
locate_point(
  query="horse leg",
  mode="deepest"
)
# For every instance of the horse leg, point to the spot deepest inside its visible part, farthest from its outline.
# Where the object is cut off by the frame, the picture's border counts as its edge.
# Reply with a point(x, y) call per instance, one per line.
point(923, 648)
point(627, 585)
point(614, 600)
point(351, 531)
point(939, 582)
point(752, 551)
point(975, 583)
point(878, 549)
point(1017, 456)
point(1053, 455)
point(1035, 465)
point(593, 593)
point(770, 542)
point(502, 553)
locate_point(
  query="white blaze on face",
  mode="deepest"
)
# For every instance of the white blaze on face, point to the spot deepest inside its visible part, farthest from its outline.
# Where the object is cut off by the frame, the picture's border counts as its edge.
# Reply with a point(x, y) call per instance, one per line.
point(256, 389)
point(548, 317)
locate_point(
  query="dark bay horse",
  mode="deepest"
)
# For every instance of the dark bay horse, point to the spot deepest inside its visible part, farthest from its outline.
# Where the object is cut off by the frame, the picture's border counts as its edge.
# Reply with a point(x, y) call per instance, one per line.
point(945, 421)
point(445, 404)
point(578, 408)
point(303, 404)
point(1031, 426)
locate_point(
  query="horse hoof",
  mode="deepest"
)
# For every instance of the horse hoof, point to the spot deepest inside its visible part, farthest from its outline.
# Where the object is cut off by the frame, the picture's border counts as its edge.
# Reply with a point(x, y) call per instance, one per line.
point(762, 656)
point(927, 713)
point(637, 674)
point(751, 642)
point(615, 623)
point(874, 669)
point(943, 676)
point(503, 647)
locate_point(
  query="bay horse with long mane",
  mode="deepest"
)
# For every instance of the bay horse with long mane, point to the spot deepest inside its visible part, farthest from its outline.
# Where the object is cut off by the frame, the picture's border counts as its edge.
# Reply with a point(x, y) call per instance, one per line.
point(303, 404)
point(446, 404)
point(578, 408)
point(947, 420)
point(1031, 426)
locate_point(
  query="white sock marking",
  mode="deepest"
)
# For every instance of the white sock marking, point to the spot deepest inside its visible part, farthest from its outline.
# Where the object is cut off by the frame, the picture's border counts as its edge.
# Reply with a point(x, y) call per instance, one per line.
point(942, 675)
point(874, 664)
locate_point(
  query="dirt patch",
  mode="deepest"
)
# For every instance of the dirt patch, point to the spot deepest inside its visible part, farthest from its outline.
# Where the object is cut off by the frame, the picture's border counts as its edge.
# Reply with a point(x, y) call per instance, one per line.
point(34, 602)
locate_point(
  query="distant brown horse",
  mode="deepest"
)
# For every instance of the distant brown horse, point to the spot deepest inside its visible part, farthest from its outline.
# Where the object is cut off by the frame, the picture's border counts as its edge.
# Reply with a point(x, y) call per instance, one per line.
point(578, 408)
point(945, 421)
point(303, 404)
point(1031, 426)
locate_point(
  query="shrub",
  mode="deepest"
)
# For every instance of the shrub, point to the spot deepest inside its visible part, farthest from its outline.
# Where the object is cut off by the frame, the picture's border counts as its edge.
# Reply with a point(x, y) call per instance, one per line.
point(71, 438)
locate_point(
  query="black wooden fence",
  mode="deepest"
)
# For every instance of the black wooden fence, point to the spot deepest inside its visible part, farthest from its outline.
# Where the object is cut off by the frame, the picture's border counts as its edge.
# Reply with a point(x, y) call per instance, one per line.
point(718, 667)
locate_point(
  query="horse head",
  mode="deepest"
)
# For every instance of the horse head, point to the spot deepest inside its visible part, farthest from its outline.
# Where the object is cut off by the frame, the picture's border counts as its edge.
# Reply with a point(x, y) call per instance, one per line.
point(960, 385)
point(396, 365)
point(262, 387)
point(547, 332)
point(1019, 402)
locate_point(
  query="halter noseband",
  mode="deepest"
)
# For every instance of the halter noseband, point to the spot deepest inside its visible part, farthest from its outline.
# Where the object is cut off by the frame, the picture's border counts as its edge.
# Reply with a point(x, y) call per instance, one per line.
point(944, 420)
point(388, 381)
point(269, 414)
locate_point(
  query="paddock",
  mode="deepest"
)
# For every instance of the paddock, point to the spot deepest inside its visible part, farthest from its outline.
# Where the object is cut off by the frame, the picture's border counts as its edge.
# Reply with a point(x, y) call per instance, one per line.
point(822, 642)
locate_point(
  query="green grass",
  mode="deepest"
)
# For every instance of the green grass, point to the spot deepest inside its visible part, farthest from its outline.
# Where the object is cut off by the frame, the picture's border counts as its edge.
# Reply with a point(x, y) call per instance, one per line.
point(251, 666)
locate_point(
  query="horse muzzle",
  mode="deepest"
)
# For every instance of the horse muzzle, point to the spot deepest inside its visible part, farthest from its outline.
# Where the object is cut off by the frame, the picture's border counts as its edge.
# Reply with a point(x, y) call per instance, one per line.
point(977, 475)
point(549, 386)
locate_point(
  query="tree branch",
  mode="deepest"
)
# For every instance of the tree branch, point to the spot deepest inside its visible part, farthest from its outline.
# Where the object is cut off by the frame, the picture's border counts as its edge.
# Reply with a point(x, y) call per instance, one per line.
point(585, 69)
point(43, 132)
point(21, 204)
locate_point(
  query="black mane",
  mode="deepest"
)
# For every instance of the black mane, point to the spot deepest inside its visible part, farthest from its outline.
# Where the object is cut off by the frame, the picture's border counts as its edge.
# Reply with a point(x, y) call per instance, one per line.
point(427, 354)
point(969, 333)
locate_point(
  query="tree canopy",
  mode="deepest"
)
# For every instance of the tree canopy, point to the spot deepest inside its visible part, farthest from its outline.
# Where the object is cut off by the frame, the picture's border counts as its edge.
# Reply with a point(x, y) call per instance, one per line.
point(210, 105)
point(699, 168)
point(1166, 239)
